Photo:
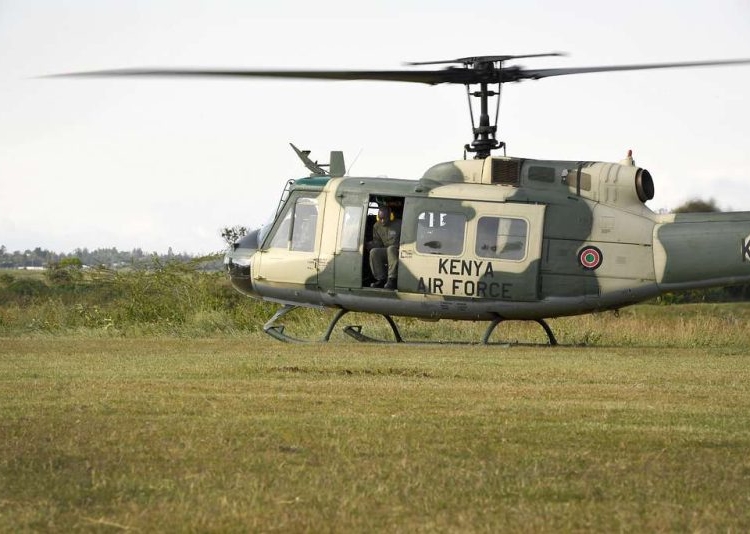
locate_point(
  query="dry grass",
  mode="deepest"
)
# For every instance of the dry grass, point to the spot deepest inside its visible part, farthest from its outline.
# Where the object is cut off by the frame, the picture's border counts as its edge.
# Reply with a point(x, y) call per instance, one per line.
point(685, 325)
point(247, 434)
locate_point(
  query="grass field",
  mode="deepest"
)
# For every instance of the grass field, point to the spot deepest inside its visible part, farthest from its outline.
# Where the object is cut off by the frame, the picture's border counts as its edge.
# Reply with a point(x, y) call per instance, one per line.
point(242, 433)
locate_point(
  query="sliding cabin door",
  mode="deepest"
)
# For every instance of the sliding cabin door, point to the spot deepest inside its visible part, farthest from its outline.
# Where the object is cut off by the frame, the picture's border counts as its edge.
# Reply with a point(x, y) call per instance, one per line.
point(481, 250)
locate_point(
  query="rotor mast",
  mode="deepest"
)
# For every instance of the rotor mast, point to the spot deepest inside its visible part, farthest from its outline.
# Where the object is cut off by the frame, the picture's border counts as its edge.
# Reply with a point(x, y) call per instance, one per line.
point(484, 71)
point(485, 134)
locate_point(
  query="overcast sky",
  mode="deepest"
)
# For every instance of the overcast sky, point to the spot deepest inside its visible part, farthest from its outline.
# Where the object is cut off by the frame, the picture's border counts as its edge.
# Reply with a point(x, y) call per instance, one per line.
point(164, 163)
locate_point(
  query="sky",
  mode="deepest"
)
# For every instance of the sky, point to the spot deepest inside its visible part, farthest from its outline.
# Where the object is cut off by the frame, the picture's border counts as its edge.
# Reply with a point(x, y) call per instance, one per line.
point(160, 163)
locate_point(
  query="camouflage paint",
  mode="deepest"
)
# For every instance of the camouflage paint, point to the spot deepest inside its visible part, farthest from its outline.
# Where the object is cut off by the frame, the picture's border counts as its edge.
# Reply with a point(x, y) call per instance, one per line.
point(569, 206)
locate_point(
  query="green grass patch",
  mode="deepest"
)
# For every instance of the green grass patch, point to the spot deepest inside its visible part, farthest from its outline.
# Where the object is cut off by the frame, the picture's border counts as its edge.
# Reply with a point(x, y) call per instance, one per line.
point(180, 300)
point(247, 434)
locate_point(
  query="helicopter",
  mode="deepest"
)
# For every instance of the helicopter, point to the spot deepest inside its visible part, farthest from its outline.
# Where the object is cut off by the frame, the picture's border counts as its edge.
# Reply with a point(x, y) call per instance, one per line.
point(492, 238)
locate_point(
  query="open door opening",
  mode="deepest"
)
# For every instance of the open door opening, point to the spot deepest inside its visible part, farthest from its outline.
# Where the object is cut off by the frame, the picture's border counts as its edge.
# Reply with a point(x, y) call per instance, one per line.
point(382, 242)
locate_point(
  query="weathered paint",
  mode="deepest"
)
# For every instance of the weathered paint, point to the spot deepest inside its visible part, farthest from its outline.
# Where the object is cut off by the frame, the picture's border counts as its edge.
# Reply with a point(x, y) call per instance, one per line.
point(701, 250)
point(567, 206)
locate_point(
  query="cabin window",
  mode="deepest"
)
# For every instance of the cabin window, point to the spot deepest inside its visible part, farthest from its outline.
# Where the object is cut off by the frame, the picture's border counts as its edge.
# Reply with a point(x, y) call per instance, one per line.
point(573, 180)
point(440, 233)
point(297, 229)
point(502, 238)
point(350, 228)
point(542, 174)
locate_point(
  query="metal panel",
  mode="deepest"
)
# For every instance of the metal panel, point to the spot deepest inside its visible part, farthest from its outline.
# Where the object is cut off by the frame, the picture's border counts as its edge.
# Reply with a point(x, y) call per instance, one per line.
point(467, 273)
point(287, 259)
point(347, 262)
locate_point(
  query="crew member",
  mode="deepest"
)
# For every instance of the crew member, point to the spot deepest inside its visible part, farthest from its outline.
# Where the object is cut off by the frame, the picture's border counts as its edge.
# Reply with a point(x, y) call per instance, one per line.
point(386, 234)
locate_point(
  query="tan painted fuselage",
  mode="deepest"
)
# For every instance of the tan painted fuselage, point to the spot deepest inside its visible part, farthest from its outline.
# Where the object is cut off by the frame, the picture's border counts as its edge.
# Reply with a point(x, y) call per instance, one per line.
point(481, 239)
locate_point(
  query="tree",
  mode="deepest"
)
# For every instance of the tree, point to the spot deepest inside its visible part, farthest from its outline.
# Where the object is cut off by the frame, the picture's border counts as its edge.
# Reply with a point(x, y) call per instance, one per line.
point(66, 271)
point(232, 234)
point(697, 205)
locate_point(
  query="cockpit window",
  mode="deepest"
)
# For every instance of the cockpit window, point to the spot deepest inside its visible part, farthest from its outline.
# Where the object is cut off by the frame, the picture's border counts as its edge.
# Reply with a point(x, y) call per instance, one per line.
point(440, 233)
point(503, 238)
point(297, 229)
point(280, 238)
point(305, 223)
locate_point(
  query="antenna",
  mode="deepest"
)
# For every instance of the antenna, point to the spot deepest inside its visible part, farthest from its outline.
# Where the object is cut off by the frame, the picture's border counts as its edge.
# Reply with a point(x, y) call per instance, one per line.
point(349, 170)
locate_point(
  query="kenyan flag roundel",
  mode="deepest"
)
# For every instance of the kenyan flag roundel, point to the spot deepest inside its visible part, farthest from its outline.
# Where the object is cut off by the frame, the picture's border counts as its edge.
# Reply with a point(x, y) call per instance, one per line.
point(590, 258)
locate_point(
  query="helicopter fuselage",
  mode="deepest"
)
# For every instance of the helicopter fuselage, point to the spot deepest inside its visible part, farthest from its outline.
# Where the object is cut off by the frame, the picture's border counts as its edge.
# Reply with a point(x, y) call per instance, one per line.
point(490, 238)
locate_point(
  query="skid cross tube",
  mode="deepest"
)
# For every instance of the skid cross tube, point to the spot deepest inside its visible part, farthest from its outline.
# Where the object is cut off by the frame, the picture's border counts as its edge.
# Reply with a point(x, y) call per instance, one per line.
point(335, 320)
point(498, 320)
point(356, 331)
point(277, 331)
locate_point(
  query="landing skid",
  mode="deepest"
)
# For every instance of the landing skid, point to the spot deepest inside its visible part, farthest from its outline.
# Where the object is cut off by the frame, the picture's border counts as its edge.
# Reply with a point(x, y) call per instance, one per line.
point(355, 331)
point(277, 331)
point(541, 322)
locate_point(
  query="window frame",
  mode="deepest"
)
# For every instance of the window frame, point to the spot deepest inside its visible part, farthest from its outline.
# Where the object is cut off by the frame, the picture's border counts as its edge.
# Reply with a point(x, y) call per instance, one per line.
point(290, 213)
point(350, 241)
point(420, 242)
point(478, 252)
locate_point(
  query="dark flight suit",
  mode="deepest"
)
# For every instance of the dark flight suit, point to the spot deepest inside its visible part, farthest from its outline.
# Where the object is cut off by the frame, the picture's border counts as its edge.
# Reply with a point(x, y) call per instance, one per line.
point(384, 254)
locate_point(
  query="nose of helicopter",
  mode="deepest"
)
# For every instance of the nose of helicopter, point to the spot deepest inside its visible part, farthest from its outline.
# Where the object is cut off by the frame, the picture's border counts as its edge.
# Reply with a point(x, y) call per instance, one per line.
point(238, 260)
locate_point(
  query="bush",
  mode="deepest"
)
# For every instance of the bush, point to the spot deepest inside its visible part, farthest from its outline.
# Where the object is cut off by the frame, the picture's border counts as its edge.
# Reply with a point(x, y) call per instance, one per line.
point(24, 289)
point(164, 298)
point(65, 272)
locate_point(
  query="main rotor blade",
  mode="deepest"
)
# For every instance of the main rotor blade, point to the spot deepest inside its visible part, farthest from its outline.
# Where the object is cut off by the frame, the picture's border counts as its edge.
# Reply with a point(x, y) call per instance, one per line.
point(485, 72)
point(536, 74)
point(484, 59)
point(417, 76)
